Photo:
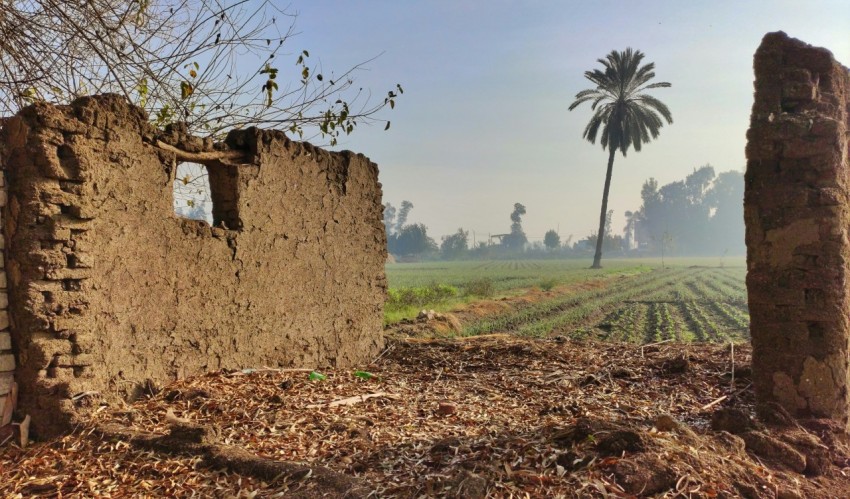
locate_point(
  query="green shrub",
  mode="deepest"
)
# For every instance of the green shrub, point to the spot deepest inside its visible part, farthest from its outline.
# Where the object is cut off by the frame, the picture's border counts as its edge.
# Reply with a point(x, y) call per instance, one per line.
point(548, 284)
point(420, 296)
point(479, 287)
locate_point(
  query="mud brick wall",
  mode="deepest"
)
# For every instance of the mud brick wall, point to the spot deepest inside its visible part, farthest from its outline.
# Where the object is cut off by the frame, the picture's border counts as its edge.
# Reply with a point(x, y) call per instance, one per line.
point(797, 213)
point(7, 357)
point(111, 293)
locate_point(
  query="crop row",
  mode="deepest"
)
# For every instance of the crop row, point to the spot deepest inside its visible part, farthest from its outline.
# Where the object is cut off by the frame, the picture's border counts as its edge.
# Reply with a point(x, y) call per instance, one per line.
point(679, 290)
point(668, 316)
point(508, 264)
point(735, 280)
point(656, 330)
point(581, 311)
point(728, 290)
point(568, 306)
point(699, 323)
point(699, 307)
point(649, 322)
point(503, 274)
point(619, 324)
point(733, 314)
point(705, 291)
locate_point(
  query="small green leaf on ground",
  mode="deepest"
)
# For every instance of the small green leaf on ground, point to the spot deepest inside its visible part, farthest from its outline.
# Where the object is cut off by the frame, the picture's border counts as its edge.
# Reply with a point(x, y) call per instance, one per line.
point(314, 375)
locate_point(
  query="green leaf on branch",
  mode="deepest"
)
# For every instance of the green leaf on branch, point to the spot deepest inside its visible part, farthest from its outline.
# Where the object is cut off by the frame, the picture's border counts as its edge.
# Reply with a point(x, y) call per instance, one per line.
point(301, 57)
point(143, 92)
point(30, 95)
point(164, 116)
point(269, 87)
point(272, 72)
point(186, 89)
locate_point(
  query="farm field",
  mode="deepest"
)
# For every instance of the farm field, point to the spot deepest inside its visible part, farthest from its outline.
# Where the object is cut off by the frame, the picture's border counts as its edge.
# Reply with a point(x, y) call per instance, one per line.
point(507, 275)
point(633, 300)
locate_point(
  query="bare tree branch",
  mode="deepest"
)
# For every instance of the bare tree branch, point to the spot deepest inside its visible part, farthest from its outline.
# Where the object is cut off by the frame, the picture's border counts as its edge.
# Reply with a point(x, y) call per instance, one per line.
point(212, 64)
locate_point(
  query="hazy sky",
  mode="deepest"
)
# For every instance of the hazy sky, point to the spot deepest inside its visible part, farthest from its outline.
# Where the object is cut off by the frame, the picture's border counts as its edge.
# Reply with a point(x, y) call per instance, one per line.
point(483, 122)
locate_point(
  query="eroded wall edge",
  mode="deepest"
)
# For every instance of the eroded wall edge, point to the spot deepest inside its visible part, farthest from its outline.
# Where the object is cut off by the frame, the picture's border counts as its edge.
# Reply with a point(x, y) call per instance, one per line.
point(797, 213)
point(7, 356)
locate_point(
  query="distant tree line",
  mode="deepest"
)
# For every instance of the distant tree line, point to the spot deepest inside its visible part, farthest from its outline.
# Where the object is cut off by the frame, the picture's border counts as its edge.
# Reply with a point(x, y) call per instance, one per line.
point(700, 215)
point(404, 238)
point(411, 241)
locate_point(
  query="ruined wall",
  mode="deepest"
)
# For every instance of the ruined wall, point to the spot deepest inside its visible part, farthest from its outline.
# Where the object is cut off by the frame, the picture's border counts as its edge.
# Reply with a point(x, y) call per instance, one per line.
point(797, 213)
point(7, 357)
point(109, 289)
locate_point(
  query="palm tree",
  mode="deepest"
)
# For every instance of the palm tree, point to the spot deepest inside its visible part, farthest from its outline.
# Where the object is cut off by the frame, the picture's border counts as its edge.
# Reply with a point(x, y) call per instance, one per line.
point(628, 116)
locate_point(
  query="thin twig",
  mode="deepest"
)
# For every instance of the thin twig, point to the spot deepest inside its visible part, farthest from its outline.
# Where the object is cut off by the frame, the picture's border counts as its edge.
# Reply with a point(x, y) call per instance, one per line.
point(654, 344)
point(713, 403)
point(732, 355)
point(353, 400)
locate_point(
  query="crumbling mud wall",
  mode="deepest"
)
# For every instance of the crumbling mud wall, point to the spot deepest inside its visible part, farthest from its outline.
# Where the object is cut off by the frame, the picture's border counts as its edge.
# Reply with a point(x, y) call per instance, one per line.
point(797, 213)
point(112, 294)
point(8, 390)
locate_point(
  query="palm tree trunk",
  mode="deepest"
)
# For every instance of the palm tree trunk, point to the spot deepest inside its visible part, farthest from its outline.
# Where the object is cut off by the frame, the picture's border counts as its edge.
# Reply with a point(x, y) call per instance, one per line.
point(597, 258)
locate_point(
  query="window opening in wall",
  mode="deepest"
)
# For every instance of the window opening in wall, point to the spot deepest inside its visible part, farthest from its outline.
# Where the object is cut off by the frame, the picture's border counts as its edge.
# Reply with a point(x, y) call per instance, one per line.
point(192, 193)
point(209, 193)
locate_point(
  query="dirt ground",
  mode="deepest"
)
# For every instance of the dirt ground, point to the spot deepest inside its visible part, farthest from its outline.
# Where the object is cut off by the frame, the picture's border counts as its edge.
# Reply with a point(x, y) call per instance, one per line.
point(493, 416)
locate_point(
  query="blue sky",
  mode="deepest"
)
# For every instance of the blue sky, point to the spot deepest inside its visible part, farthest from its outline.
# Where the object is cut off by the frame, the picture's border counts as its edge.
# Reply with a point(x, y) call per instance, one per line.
point(483, 122)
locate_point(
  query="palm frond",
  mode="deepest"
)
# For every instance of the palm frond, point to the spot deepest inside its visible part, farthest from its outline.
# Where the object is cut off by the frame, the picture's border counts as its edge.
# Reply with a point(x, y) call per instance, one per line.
point(643, 75)
point(581, 100)
point(657, 105)
point(598, 100)
point(592, 127)
point(624, 115)
point(584, 96)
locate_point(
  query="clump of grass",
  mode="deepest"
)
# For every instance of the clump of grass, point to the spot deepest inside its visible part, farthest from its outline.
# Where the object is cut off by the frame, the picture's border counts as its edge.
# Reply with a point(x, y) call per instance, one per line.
point(401, 298)
point(548, 284)
point(483, 288)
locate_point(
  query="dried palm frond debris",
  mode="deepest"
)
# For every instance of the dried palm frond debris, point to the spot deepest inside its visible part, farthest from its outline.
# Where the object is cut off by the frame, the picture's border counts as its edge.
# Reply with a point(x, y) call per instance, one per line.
point(495, 416)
